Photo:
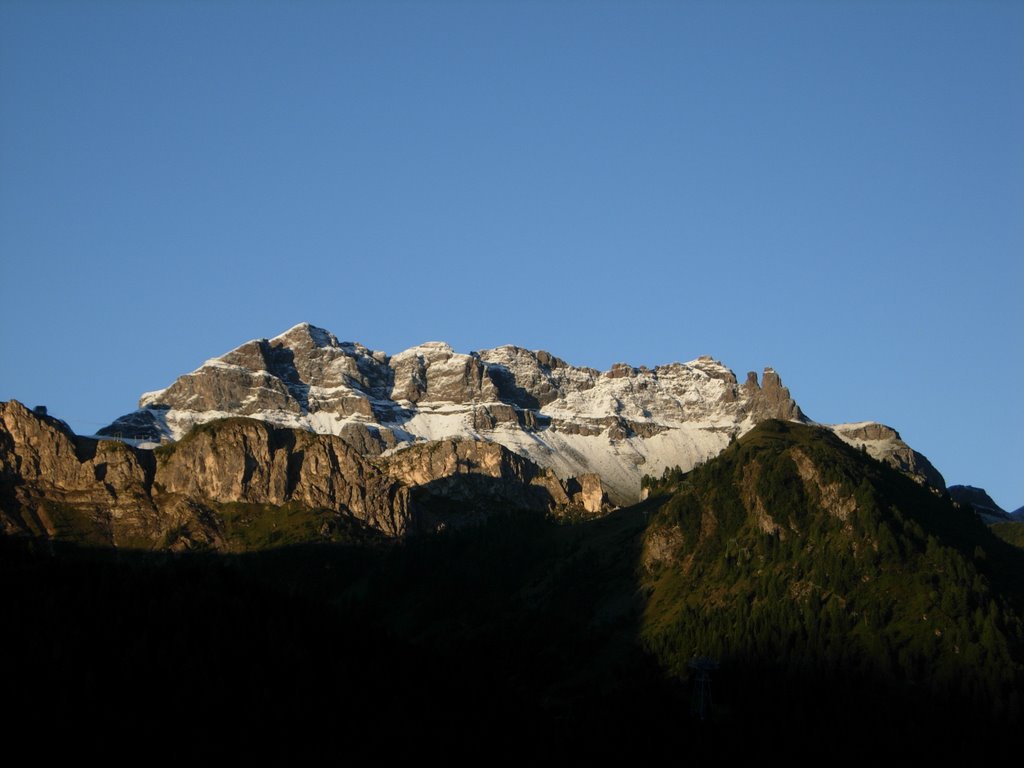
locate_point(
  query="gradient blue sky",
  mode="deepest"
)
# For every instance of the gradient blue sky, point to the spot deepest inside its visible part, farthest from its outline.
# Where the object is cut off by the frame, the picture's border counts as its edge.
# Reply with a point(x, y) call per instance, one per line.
point(834, 189)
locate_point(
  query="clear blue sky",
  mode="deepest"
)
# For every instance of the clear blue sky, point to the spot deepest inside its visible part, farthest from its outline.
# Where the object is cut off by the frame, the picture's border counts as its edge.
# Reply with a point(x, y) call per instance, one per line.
point(834, 189)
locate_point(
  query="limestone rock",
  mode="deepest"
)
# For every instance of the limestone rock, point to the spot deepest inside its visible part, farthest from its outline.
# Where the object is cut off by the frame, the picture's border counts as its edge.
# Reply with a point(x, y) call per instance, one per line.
point(56, 485)
point(591, 495)
point(622, 424)
point(885, 444)
point(434, 372)
point(48, 474)
point(771, 400)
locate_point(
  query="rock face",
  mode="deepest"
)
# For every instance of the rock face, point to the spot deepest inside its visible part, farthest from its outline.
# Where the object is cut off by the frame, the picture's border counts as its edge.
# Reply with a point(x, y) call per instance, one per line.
point(885, 444)
point(228, 478)
point(620, 424)
point(47, 475)
point(451, 477)
point(252, 462)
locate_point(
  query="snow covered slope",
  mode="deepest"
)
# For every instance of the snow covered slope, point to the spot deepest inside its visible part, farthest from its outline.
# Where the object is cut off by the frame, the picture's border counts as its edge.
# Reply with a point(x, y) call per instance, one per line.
point(622, 423)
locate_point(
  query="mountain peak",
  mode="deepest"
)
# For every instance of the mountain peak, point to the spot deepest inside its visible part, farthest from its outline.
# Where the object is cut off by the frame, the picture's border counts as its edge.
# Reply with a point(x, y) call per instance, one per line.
point(319, 337)
point(622, 424)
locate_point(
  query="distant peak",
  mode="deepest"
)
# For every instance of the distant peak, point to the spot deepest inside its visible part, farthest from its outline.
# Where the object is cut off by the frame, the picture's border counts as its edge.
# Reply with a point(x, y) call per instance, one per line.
point(320, 337)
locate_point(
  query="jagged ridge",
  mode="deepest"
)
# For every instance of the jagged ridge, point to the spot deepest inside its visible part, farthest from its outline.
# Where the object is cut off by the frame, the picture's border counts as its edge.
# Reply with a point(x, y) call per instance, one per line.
point(241, 483)
point(622, 424)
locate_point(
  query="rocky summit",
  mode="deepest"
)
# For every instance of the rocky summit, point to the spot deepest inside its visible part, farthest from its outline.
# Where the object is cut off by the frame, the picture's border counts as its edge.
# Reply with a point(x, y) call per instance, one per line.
point(620, 424)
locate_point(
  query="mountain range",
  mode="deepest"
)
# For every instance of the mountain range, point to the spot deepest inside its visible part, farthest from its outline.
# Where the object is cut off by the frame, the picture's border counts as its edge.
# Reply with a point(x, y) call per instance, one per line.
point(306, 537)
point(620, 424)
point(314, 544)
point(842, 606)
point(311, 435)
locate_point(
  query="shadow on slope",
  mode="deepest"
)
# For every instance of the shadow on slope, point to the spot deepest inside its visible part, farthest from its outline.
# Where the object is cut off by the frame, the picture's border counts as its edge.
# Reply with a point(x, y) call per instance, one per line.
point(520, 636)
point(512, 637)
point(840, 598)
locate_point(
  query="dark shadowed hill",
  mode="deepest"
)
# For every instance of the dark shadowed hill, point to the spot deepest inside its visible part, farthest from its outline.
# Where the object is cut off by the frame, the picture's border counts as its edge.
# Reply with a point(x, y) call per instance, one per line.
point(820, 577)
point(850, 610)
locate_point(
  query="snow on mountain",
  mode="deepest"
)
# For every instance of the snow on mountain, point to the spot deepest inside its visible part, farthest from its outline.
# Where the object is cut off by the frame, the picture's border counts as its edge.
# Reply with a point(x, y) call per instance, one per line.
point(623, 423)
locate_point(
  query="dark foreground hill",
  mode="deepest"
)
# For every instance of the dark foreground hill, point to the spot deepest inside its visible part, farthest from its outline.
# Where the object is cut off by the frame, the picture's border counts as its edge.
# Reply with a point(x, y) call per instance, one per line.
point(850, 610)
point(823, 578)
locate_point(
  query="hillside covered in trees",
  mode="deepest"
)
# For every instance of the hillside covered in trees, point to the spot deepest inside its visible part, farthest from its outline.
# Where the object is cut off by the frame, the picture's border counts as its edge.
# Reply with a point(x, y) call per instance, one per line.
point(847, 607)
point(822, 578)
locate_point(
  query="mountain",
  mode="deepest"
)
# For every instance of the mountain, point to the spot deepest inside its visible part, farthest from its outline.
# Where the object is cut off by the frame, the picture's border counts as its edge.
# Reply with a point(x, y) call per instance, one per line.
point(795, 559)
point(849, 609)
point(1007, 526)
point(620, 424)
point(245, 554)
point(978, 500)
point(303, 438)
point(885, 444)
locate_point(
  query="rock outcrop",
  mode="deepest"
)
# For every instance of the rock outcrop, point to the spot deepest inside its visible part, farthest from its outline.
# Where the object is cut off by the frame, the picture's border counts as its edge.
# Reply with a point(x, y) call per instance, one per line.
point(252, 462)
point(451, 478)
point(57, 485)
point(885, 444)
point(228, 478)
